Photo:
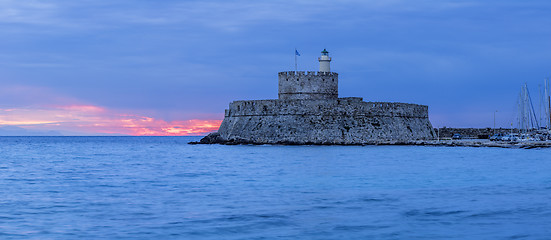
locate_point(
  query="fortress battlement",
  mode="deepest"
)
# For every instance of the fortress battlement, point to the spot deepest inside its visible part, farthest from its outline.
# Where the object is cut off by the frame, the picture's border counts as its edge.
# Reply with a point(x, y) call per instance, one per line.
point(325, 107)
point(291, 74)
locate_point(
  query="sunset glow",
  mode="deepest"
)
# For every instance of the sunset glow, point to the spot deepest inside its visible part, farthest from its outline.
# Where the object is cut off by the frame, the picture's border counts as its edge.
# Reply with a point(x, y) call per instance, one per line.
point(89, 119)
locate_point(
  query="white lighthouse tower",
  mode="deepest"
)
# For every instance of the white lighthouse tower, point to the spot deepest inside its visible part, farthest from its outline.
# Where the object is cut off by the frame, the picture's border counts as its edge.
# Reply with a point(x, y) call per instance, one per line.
point(324, 61)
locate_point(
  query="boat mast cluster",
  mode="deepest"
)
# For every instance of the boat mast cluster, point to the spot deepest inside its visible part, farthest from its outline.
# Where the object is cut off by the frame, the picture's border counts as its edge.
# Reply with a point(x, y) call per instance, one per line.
point(528, 120)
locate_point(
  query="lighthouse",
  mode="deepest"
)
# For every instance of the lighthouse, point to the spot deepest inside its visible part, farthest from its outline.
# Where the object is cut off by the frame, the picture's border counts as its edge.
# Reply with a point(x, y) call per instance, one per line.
point(324, 61)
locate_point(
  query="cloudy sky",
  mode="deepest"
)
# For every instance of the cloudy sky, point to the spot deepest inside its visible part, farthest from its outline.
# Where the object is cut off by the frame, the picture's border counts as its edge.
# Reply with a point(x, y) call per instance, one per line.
point(171, 67)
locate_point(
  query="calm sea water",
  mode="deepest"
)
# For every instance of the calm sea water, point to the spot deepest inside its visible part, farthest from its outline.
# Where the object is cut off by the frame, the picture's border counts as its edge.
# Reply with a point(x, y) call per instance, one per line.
point(163, 188)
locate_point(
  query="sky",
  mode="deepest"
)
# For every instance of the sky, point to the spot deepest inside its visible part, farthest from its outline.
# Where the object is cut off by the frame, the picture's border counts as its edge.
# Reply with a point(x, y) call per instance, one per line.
point(136, 67)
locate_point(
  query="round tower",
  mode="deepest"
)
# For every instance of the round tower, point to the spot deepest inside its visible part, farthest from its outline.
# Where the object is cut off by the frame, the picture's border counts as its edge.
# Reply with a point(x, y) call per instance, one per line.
point(308, 85)
point(324, 61)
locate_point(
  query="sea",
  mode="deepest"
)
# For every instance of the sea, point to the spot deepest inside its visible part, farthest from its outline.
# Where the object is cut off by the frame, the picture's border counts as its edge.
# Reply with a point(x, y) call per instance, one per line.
point(164, 188)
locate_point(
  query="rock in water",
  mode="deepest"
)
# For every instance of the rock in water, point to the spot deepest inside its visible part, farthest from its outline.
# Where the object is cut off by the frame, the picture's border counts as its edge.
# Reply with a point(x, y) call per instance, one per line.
point(211, 138)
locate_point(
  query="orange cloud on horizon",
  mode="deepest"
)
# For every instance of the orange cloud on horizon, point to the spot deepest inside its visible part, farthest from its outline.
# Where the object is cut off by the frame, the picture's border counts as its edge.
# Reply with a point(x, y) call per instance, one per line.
point(90, 119)
point(146, 126)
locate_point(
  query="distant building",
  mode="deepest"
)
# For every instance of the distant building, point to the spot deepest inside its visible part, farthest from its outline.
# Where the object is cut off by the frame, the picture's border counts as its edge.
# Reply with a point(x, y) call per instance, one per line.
point(309, 111)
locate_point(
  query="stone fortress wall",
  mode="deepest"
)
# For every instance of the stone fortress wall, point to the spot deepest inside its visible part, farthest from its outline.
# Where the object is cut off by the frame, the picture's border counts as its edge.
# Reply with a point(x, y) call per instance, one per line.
point(324, 121)
point(308, 85)
point(340, 106)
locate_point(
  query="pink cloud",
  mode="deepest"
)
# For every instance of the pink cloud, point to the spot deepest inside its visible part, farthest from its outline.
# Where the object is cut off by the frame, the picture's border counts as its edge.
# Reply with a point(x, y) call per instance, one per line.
point(90, 119)
point(82, 108)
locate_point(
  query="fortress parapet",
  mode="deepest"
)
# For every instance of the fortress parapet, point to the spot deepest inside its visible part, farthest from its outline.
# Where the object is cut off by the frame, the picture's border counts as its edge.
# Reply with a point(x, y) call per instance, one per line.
point(324, 121)
point(308, 85)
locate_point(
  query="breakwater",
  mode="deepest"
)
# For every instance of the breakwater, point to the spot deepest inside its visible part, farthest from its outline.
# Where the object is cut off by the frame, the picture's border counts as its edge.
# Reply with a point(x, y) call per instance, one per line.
point(480, 133)
point(212, 138)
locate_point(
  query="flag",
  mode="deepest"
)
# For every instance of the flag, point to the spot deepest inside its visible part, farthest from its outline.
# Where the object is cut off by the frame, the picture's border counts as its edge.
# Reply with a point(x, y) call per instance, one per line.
point(296, 53)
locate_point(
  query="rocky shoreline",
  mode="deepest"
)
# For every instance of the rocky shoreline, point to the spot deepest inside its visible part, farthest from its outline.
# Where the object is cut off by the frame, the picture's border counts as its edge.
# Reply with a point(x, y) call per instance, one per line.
point(214, 138)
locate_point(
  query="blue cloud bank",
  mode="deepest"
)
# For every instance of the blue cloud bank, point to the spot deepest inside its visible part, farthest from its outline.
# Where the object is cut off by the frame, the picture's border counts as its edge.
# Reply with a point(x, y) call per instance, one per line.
point(188, 59)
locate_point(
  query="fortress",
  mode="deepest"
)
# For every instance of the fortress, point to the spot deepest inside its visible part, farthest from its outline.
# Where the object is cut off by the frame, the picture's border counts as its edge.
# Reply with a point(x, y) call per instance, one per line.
point(309, 111)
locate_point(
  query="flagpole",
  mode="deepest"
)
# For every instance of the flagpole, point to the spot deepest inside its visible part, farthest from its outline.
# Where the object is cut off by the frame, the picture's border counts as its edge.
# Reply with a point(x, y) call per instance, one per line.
point(295, 53)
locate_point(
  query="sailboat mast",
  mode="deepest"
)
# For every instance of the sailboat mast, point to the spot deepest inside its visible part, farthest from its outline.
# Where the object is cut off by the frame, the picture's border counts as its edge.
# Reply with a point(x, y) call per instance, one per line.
point(525, 120)
point(541, 105)
point(521, 110)
point(548, 99)
point(531, 111)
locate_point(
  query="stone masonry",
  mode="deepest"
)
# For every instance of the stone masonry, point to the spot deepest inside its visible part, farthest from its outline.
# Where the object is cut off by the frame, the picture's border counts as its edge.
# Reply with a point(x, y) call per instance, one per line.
point(329, 121)
point(310, 85)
